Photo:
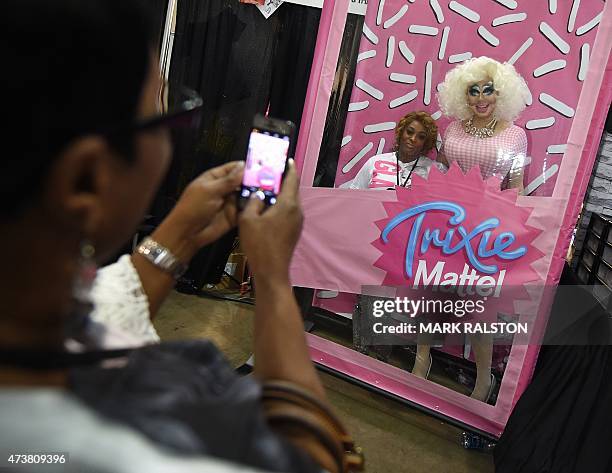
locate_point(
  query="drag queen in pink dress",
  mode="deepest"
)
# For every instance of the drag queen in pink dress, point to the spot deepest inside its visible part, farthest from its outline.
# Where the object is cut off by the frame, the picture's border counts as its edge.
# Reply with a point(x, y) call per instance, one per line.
point(484, 97)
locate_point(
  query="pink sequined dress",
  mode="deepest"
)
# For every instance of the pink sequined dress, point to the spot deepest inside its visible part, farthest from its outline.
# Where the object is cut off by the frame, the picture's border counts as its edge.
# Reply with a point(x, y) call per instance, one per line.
point(495, 156)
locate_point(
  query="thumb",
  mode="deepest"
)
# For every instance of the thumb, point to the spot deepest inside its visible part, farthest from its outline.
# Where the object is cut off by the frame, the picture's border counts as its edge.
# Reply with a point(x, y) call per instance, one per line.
point(291, 183)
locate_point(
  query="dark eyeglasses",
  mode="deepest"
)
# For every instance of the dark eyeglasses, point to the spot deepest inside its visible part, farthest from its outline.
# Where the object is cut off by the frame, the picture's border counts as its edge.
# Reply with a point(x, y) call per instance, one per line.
point(186, 114)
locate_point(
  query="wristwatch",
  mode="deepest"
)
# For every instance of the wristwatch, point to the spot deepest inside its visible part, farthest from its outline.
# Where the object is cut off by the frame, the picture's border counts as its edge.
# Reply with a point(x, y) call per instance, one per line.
point(161, 257)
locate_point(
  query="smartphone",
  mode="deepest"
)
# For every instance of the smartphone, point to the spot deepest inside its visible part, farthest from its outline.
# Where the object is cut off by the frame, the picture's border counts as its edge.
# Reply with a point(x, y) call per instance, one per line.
point(270, 147)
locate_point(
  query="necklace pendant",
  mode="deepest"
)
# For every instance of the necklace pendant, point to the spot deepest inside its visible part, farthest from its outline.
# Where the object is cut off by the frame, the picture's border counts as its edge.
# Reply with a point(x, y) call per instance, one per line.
point(484, 132)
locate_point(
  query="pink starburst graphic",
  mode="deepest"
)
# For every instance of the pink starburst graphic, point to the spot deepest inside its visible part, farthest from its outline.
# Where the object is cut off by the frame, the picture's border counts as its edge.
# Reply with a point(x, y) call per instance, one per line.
point(460, 233)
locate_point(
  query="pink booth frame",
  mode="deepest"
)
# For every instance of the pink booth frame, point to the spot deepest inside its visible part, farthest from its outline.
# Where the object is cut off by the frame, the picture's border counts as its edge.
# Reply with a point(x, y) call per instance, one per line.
point(569, 192)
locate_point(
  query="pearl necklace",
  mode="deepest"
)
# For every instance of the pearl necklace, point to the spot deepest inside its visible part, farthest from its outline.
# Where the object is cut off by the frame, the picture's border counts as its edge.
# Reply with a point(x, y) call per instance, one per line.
point(484, 132)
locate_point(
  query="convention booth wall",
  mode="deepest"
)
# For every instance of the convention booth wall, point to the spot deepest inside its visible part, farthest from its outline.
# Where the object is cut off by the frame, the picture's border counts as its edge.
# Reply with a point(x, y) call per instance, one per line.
point(357, 238)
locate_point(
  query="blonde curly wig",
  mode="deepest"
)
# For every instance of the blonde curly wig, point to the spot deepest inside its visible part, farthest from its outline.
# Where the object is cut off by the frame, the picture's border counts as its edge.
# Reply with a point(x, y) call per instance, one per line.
point(513, 91)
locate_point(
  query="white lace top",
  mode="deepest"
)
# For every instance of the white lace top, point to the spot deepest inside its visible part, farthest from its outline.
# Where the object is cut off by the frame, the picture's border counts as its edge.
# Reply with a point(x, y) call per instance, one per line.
point(121, 306)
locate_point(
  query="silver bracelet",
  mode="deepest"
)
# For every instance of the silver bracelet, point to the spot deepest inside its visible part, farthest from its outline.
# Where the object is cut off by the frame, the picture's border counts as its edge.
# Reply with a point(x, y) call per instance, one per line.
point(161, 257)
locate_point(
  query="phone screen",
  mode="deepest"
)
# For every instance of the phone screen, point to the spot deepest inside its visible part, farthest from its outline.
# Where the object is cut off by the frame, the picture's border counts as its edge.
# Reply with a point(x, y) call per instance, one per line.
point(265, 165)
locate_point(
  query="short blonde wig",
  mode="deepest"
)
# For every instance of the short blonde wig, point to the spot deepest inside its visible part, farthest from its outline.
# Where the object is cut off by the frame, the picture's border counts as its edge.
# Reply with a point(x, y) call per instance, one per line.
point(513, 91)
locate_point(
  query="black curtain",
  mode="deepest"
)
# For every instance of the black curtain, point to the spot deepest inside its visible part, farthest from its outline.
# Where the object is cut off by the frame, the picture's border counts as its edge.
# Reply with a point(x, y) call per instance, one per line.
point(338, 104)
point(295, 44)
point(240, 63)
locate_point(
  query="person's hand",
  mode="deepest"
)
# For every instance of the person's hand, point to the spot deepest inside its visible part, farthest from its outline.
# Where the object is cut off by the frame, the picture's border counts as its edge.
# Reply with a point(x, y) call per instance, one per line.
point(205, 211)
point(268, 236)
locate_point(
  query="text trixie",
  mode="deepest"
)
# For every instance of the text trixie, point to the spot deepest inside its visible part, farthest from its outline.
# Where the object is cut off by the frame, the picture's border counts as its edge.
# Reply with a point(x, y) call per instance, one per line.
point(475, 244)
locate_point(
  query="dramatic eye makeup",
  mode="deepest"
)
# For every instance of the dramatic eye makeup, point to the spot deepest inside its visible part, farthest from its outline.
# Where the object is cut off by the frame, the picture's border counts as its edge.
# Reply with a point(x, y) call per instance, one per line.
point(487, 89)
point(474, 90)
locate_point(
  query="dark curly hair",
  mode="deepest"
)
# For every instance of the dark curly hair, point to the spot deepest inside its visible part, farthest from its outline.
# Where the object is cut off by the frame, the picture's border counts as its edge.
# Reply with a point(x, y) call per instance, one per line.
point(428, 123)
